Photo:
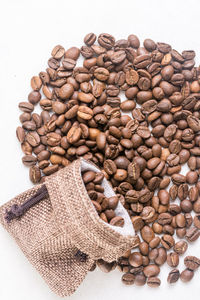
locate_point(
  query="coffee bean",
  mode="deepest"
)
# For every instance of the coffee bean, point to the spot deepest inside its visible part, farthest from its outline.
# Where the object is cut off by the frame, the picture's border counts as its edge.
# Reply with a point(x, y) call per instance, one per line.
point(20, 134)
point(180, 247)
point(26, 107)
point(192, 234)
point(113, 202)
point(186, 275)
point(164, 218)
point(173, 259)
point(167, 241)
point(137, 222)
point(29, 160)
point(147, 234)
point(117, 221)
point(128, 279)
point(151, 271)
point(135, 259)
point(192, 262)
point(72, 53)
point(88, 176)
point(173, 276)
point(106, 40)
point(34, 174)
point(153, 282)
point(133, 170)
point(33, 138)
point(58, 52)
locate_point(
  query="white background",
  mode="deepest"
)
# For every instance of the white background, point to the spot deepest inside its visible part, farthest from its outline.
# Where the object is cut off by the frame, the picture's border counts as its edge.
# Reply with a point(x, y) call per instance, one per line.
point(28, 32)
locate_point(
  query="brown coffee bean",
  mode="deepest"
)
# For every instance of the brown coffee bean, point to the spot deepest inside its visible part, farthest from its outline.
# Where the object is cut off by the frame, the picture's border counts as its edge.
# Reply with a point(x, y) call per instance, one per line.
point(66, 91)
point(117, 221)
point(135, 259)
point(110, 167)
point(164, 218)
point(134, 170)
point(85, 113)
point(26, 107)
point(20, 132)
point(88, 176)
point(153, 282)
point(50, 170)
point(33, 138)
point(58, 52)
point(120, 175)
point(192, 177)
point(173, 276)
point(173, 259)
point(34, 174)
point(186, 275)
point(128, 279)
point(192, 234)
point(167, 241)
point(151, 271)
point(140, 279)
point(192, 262)
point(147, 234)
point(101, 74)
point(180, 247)
point(113, 202)
point(101, 140)
point(29, 160)
point(59, 107)
point(106, 40)
point(72, 53)
point(137, 222)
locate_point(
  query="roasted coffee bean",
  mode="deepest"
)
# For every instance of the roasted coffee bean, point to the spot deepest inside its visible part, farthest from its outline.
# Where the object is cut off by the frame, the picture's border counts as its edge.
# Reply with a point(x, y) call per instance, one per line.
point(134, 170)
point(173, 259)
point(147, 234)
point(135, 259)
point(167, 241)
point(192, 262)
point(173, 276)
point(137, 222)
point(153, 282)
point(29, 160)
point(34, 174)
point(192, 234)
point(151, 270)
point(128, 279)
point(110, 167)
point(186, 275)
point(180, 247)
point(117, 221)
point(26, 107)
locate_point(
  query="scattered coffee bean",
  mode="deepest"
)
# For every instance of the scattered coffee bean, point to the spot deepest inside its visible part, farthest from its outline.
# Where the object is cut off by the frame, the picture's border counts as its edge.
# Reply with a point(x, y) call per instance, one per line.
point(153, 282)
point(186, 275)
point(192, 262)
point(173, 276)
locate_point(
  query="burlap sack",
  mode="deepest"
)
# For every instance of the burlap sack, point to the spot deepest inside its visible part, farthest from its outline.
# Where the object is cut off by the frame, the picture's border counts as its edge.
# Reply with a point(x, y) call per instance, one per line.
point(62, 234)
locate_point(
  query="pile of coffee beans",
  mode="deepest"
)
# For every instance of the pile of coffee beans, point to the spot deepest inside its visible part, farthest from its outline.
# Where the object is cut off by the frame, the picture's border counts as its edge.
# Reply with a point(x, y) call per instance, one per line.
point(104, 206)
point(134, 111)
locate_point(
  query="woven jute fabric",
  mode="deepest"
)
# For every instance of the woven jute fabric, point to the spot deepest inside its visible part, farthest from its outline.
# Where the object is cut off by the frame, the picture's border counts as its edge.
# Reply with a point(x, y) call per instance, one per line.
point(51, 232)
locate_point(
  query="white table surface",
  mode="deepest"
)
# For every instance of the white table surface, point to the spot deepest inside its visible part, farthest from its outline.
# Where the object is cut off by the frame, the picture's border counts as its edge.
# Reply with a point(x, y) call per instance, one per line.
point(28, 32)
